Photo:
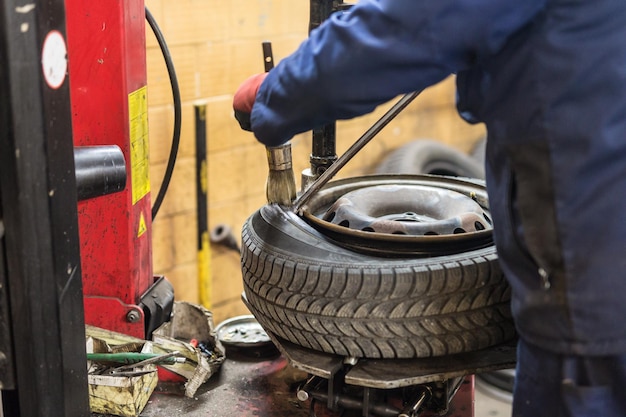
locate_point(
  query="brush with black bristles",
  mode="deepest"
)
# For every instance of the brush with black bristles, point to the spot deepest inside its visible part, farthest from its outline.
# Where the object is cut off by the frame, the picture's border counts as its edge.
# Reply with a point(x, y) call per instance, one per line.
point(280, 187)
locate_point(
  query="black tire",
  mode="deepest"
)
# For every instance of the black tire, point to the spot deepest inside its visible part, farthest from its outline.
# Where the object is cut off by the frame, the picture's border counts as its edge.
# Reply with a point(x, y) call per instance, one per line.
point(306, 289)
point(479, 150)
point(425, 156)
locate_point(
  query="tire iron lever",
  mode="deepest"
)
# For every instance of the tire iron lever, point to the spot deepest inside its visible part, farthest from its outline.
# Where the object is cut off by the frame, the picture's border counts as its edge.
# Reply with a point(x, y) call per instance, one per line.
point(173, 356)
point(299, 204)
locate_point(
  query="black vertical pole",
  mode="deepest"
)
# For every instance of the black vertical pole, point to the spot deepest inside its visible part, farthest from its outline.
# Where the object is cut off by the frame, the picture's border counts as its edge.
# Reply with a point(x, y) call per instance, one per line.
point(319, 10)
point(7, 372)
point(323, 151)
point(38, 192)
point(204, 255)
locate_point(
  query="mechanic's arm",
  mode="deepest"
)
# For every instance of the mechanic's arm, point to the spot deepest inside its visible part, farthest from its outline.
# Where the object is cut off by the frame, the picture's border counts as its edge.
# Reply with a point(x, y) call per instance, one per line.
point(379, 49)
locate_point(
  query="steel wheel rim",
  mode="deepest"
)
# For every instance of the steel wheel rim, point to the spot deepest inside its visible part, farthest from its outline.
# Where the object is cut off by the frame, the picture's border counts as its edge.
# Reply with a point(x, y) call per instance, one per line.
point(396, 244)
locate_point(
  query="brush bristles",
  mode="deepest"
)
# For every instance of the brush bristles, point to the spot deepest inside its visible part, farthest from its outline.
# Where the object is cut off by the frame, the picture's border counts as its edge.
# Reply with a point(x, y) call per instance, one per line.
point(281, 187)
point(281, 183)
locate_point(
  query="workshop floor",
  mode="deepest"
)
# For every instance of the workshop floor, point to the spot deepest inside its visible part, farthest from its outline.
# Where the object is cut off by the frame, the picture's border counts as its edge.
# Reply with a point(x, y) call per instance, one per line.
point(247, 387)
point(490, 402)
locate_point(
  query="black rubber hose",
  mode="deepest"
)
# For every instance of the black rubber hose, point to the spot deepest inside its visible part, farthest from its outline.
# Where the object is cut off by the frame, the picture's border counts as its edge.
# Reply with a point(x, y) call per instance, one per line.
point(177, 113)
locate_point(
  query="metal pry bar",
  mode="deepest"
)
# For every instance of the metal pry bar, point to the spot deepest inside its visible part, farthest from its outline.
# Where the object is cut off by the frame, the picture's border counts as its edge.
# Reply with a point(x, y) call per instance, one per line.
point(326, 176)
point(153, 360)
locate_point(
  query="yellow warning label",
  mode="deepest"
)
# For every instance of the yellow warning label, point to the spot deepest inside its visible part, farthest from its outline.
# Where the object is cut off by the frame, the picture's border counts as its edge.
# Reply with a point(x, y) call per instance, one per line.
point(204, 186)
point(139, 145)
point(142, 226)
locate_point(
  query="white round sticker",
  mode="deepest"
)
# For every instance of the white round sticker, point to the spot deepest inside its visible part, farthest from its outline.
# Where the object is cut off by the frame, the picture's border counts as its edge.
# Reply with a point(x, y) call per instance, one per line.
point(54, 59)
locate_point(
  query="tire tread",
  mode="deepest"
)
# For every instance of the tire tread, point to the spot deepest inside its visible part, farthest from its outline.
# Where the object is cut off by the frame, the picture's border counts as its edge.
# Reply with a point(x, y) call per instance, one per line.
point(378, 310)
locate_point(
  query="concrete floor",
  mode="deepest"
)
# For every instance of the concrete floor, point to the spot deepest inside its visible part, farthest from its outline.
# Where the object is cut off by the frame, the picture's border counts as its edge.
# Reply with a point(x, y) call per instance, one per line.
point(491, 402)
point(488, 404)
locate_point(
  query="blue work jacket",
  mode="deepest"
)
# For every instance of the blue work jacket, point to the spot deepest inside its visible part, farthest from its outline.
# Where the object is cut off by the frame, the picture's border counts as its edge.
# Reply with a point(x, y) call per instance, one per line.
point(548, 78)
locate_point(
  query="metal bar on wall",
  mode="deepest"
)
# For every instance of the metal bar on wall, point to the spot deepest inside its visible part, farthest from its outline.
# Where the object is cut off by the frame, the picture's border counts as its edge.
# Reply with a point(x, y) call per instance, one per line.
point(204, 249)
point(38, 189)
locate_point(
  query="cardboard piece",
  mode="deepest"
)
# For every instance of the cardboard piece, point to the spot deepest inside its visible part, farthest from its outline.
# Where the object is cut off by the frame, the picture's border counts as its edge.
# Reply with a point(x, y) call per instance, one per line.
point(190, 322)
point(119, 395)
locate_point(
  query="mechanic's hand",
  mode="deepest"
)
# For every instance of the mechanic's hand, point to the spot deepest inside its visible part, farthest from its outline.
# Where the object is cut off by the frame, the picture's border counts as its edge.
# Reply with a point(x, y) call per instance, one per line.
point(244, 99)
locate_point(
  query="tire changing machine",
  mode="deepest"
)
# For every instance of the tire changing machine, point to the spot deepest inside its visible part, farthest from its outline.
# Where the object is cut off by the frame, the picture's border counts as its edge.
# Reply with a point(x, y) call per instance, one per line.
point(68, 256)
point(41, 293)
point(423, 387)
point(439, 386)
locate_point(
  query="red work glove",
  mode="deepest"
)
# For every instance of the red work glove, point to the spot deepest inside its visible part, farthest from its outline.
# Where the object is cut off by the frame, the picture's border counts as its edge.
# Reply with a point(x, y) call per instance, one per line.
point(244, 99)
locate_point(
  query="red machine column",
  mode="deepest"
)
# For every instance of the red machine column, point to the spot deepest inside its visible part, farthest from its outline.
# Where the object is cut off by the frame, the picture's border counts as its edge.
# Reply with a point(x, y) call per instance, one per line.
point(107, 66)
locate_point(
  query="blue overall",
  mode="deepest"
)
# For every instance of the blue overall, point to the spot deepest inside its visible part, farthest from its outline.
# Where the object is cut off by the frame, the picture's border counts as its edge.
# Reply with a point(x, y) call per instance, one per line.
point(548, 79)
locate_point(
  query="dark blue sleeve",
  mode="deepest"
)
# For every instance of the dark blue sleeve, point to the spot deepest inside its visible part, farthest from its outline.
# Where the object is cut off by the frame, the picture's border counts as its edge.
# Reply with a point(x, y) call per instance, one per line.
point(359, 59)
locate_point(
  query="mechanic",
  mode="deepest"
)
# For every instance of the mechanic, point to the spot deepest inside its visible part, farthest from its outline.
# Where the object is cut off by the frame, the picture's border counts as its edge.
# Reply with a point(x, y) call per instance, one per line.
point(548, 79)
